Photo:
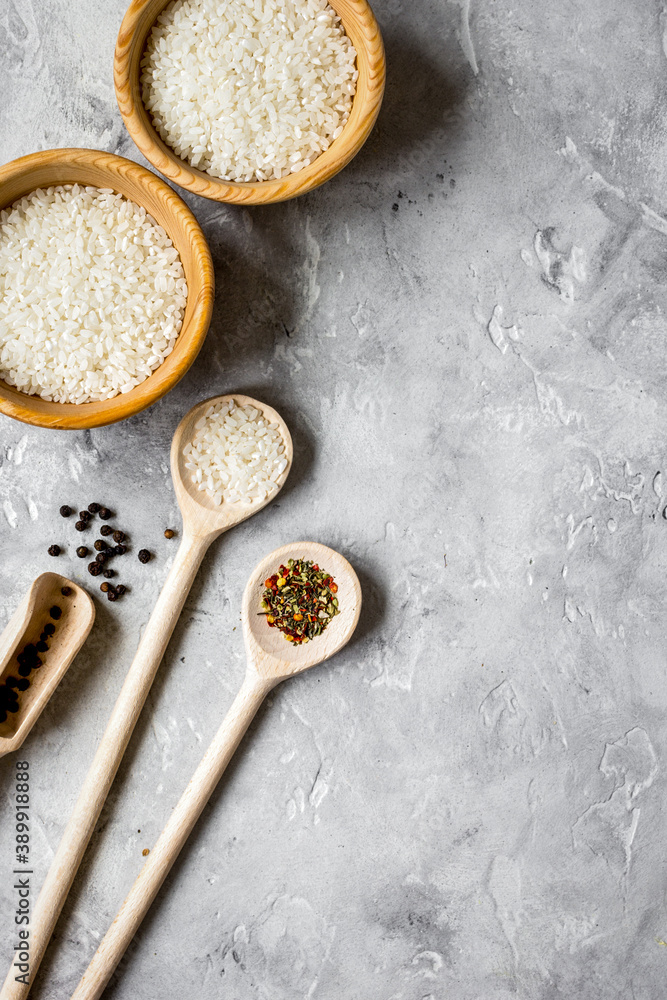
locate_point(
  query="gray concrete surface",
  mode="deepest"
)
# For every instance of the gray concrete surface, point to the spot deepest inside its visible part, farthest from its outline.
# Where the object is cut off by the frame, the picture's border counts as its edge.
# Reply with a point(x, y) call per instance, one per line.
point(465, 331)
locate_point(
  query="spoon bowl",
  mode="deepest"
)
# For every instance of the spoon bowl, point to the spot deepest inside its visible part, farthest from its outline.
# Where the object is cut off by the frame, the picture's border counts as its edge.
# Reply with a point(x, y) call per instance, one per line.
point(269, 652)
point(24, 627)
point(201, 515)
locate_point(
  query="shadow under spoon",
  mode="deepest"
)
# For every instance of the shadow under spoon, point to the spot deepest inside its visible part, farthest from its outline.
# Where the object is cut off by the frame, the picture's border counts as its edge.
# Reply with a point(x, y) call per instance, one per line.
point(270, 659)
point(203, 522)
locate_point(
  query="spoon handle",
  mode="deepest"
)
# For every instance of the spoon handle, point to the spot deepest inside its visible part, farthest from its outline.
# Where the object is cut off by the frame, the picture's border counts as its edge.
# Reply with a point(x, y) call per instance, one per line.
point(173, 837)
point(109, 754)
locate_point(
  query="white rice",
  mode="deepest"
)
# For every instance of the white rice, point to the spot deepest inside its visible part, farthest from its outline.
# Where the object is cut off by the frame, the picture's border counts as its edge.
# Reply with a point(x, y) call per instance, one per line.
point(92, 294)
point(235, 454)
point(248, 89)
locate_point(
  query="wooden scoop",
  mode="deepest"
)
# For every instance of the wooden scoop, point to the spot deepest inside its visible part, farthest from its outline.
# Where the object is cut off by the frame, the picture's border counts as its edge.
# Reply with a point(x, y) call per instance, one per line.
point(25, 626)
point(203, 521)
point(271, 658)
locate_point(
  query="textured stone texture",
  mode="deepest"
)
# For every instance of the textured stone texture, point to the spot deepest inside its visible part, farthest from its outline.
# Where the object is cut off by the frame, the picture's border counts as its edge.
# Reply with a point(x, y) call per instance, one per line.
point(465, 331)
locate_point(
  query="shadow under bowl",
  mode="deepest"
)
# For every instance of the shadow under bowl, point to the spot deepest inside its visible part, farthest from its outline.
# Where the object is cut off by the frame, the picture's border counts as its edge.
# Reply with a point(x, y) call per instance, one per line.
point(361, 27)
point(104, 170)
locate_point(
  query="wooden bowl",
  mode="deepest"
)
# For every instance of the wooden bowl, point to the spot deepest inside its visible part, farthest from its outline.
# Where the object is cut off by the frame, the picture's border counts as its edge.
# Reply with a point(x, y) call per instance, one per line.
point(360, 26)
point(90, 166)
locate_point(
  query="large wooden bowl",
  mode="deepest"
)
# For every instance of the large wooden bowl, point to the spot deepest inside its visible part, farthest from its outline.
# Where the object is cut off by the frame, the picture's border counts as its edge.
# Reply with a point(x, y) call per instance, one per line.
point(90, 166)
point(361, 27)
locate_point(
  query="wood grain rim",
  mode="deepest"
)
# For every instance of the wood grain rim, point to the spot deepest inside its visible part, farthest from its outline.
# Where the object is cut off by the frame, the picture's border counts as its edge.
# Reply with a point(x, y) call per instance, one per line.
point(359, 23)
point(100, 169)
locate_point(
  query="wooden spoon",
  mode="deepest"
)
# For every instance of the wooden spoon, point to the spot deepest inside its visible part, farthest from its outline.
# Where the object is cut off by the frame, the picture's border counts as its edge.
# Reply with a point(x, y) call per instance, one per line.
point(25, 626)
point(271, 658)
point(203, 521)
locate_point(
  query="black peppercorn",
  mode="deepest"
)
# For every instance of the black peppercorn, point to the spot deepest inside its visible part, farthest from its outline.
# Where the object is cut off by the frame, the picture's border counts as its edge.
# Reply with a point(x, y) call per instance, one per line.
point(24, 669)
point(36, 663)
point(94, 568)
point(82, 552)
point(12, 682)
point(105, 513)
point(85, 515)
point(49, 629)
point(120, 589)
point(169, 533)
point(104, 587)
point(55, 612)
point(109, 573)
point(94, 508)
point(119, 536)
point(101, 545)
point(106, 529)
point(120, 550)
point(44, 637)
point(144, 555)
point(65, 510)
point(112, 595)
point(54, 550)
point(65, 591)
point(23, 683)
point(101, 557)
point(81, 525)
point(42, 646)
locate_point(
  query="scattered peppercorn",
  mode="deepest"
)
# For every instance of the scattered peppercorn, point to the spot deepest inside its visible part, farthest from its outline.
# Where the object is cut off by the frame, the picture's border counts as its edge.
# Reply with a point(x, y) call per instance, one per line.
point(105, 513)
point(101, 557)
point(120, 550)
point(101, 545)
point(299, 600)
point(94, 508)
point(49, 629)
point(81, 525)
point(112, 595)
point(85, 515)
point(121, 589)
point(65, 591)
point(106, 529)
point(144, 555)
point(65, 510)
point(145, 852)
point(119, 536)
point(109, 573)
point(169, 533)
point(55, 612)
point(94, 568)
point(82, 552)
point(54, 550)
point(104, 587)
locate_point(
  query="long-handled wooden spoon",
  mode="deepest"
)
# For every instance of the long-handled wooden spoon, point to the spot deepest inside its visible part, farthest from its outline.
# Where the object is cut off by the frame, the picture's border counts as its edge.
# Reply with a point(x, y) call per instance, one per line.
point(271, 659)
point(203, 521)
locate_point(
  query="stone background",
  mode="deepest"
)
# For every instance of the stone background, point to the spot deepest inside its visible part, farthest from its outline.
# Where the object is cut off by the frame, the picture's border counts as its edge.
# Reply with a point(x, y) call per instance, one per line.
point(465, 332)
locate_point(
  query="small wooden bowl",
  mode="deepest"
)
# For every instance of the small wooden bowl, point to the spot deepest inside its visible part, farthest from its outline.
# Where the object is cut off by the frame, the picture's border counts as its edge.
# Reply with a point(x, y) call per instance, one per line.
point(360, 26)
point(90, 166)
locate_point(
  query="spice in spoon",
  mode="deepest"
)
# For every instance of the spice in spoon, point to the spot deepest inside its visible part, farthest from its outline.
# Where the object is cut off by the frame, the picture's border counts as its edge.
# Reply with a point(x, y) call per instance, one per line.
point(300, 600)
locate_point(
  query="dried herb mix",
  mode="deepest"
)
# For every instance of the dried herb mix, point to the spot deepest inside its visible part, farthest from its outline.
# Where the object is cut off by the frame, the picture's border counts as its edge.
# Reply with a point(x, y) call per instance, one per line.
point(300, 600)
